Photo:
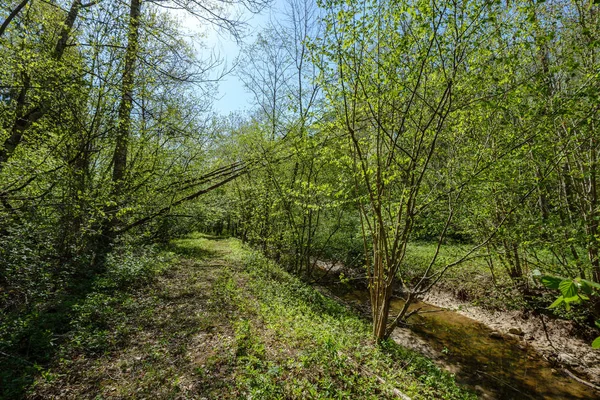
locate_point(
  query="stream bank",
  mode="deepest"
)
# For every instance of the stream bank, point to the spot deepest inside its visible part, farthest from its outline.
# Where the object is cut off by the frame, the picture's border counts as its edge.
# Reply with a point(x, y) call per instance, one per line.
point(499, 354)
point(554, 339)
point(495, 364)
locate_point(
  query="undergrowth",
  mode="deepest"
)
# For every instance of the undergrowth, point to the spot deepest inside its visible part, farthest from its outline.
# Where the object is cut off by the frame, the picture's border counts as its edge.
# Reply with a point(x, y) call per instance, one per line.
point(209, 318)
point(335, 355)
point(86, 315)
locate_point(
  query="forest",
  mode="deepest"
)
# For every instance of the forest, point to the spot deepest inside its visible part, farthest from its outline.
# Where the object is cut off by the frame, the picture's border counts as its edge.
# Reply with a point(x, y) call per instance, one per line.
point(399, 158)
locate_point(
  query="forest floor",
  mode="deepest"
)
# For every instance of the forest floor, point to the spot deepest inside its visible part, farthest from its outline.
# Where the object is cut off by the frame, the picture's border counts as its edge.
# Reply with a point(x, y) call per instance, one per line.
point(221, 321)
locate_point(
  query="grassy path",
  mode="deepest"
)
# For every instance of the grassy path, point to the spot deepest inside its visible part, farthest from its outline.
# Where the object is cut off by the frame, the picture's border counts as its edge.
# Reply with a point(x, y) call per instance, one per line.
point(220, 321)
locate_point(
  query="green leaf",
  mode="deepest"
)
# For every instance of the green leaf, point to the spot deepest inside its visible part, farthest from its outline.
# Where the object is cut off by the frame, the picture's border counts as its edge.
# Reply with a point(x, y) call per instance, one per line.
point(551, 282)
point(574, 299)
point(596, 343)
point(585, 288)
point(557, 302)
point(568, 288)
point(591, 283)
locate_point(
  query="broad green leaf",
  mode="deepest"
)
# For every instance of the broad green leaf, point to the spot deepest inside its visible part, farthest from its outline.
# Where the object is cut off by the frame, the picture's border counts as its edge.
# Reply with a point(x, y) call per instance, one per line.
point(596, 343)
point(591, 283)
point(557, 302)
point(551, 282)
point(574, 299)
point(585, 288)
point(568, 288)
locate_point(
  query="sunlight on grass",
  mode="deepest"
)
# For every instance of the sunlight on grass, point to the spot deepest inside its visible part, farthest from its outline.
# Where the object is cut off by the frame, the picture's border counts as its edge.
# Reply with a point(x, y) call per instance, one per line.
point(224, 322)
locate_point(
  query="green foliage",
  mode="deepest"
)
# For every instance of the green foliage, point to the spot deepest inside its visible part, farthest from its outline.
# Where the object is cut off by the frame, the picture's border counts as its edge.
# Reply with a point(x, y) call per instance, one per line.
point(225, 292)
point(93, 320)
point(376, 124)
point(128, 267)
point(272, 336)
point(551, 281)
point(28, 272)
point(332, 340)
point(574, 291)
point(62, 86)
point(87, 315)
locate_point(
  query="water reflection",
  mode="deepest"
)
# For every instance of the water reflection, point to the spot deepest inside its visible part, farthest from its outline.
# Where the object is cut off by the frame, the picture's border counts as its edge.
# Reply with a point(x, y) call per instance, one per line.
point(497, 368)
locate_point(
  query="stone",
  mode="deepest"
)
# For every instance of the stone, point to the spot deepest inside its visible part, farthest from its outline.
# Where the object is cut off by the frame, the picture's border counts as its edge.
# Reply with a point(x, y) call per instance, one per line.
point(516, 331)
point(495, 335)
point(567, 359)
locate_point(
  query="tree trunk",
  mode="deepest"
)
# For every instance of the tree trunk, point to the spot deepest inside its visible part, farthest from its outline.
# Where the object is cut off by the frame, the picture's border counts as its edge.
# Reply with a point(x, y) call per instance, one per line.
point(108, 232)
point(124, 123)
point(380, 287)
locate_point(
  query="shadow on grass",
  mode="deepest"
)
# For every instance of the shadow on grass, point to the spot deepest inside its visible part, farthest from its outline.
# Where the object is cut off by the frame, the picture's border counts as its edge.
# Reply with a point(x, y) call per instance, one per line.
point(190, 249)
point(32, 339)
point(36, 336)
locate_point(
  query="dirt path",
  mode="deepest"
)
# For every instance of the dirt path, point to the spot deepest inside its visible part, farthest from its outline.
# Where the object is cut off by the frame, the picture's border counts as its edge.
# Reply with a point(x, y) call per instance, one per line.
point(165, 334)
point(222, 322)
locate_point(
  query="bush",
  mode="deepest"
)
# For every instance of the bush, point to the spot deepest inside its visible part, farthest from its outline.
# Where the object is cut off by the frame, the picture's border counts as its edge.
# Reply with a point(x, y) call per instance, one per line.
point(128, 266)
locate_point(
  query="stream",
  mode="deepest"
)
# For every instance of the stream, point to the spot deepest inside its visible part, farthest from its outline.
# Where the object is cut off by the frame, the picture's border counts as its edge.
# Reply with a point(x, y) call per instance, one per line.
point(495, 366)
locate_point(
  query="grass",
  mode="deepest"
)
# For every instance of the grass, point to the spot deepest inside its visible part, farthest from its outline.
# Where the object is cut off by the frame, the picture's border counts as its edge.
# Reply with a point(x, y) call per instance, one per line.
point(87, 313)
point(471, 280)
point(221, 321)
point(492, 288)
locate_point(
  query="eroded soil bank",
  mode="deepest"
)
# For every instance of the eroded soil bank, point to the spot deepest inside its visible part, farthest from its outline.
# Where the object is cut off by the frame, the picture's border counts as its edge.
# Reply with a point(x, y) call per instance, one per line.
point(544, 353)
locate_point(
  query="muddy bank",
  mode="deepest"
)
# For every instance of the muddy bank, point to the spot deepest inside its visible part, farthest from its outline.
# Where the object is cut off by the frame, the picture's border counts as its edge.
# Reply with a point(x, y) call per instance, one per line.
point(495, 365)
point(552, 338)
point(500, 355)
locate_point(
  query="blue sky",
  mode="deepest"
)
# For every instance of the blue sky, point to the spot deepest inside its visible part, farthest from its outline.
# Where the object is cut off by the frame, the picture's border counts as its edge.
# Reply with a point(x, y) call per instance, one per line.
point(232, 95)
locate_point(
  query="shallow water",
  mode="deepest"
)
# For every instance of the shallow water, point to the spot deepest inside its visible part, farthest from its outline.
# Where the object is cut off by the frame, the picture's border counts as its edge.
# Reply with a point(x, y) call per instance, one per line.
point(500, 369)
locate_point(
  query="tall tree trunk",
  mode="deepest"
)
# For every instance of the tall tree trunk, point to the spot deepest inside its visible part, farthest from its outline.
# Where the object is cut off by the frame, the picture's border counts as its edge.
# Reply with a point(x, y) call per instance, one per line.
point(119, 160)
point(124, 123)
point(380, 286)
point(593, 250)
point(73, 216)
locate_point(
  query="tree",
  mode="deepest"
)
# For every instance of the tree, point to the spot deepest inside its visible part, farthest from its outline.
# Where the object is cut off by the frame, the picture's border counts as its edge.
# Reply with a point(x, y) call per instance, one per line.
point(104, 128)
point(396, 75)
point(296, 178)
